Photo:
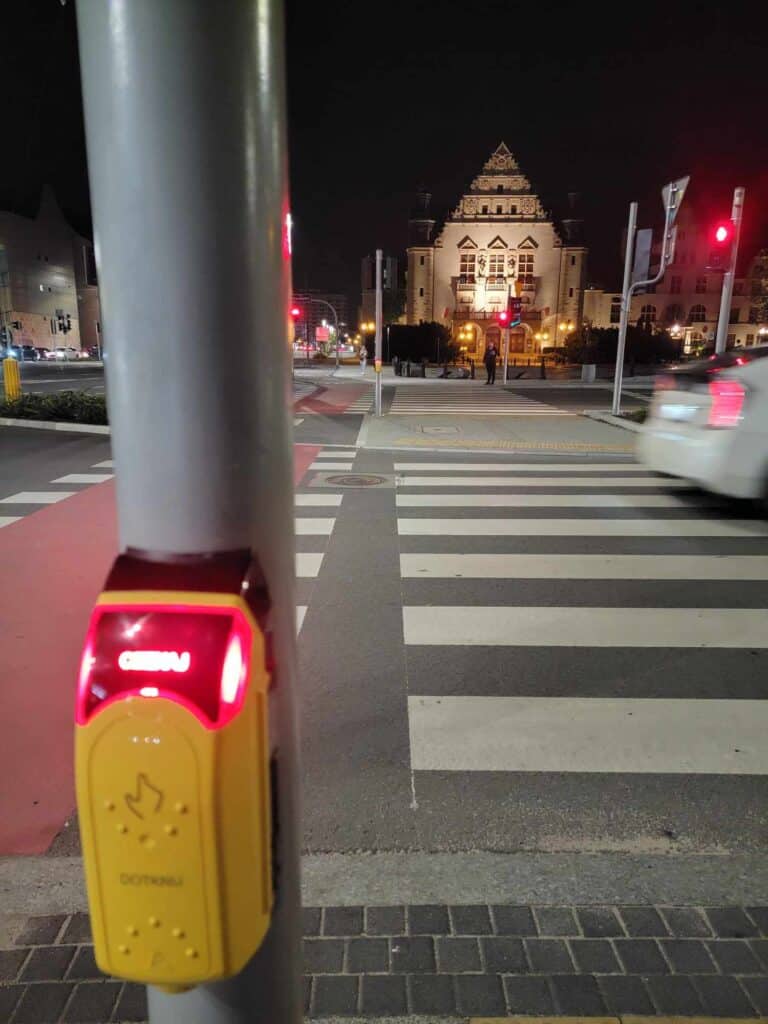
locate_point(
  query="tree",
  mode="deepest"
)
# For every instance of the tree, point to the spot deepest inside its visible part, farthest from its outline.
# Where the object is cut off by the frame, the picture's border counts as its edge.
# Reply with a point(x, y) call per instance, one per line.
point(429, 341)
point(641, 347)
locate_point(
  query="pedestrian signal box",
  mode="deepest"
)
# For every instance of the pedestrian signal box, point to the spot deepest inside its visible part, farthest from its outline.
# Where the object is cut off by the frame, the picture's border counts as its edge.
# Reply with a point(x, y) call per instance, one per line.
point(173, 771)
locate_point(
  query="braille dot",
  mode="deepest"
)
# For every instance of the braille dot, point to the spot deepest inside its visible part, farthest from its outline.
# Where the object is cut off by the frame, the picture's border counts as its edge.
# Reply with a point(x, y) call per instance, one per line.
point(191, 953)
point(178, 933)
point(180, 808)
point(109, 805)
point(132, 930)
point(147, 841)
point(123, 949)
point(154, 922)
point(171, 830)
point(122, 829)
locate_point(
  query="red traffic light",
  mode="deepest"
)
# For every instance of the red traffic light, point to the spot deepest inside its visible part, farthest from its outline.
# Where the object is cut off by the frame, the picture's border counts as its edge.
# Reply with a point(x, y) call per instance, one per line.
point(503, 317)
point(723, 233)
point(295, 312)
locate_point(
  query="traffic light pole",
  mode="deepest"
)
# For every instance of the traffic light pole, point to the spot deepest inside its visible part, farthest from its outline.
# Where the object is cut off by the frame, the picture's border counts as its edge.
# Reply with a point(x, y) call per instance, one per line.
point(625, 302)
point(726, 296)
point(379, 318)
point(185, 123)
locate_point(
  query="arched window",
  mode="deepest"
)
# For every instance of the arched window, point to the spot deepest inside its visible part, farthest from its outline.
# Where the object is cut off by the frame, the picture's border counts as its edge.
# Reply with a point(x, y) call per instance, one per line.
point(647, 318)
point(698, 314)
point(673, 313)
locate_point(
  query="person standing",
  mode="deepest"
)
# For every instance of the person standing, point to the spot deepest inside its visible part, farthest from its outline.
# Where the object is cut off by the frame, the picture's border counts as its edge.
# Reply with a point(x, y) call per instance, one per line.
point(490, 363)
point(363, 358)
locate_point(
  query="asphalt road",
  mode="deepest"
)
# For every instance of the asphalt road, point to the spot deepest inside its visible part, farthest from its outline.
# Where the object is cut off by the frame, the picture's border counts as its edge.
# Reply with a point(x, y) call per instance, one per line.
point(48, 377)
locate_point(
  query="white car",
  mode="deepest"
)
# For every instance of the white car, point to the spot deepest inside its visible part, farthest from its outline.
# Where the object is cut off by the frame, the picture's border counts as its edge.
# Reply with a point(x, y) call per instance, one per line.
point(708, 423)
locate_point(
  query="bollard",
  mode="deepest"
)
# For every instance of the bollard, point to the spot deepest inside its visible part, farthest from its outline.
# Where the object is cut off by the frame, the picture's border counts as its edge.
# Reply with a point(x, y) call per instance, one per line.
point(11, 379)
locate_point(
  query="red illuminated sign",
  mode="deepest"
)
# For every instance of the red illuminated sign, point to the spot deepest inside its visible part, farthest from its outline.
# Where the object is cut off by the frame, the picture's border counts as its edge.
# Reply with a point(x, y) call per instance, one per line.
point(721, 233)
point(196, 656)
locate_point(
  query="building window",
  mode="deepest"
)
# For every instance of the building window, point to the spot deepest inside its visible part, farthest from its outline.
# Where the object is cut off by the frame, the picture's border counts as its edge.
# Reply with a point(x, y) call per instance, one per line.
point(484, 209)
point(496, 268)
point(499, 208)
point(701, 285)
point(734, 317)
point(467, 268)
point(675, 284)
point(53, 326)
point(570, 293)
point(673, 313)
point(421, 293)
point(647, 318)
point(698, 314)
point(731, 339)
point(525, 267)
point(616, 309)
point(573, 261)
point(750, 340)
point(753, 314)
point(513, 210)
point(421, 261)
point(499, 188)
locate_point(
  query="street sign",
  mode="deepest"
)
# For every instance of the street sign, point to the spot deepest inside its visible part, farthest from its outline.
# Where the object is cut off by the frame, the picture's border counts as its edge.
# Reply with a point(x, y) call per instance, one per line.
point(678, 188)
point(643, 242)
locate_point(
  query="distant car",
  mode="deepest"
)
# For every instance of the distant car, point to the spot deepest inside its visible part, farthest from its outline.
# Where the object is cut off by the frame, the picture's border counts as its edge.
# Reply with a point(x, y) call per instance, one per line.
point(24, 353)
point(50, 353)
point(66, 352)
point(29, 352)
point(83, 353)
point(42, 353)
point(708, 423)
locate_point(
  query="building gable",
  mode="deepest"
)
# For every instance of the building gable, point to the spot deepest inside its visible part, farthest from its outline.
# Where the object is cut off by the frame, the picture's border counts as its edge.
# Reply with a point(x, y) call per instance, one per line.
point(497, 243)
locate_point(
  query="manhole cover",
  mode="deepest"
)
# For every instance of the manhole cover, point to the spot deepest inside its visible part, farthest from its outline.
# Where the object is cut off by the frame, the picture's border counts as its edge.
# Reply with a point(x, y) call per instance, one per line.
point(356, 480)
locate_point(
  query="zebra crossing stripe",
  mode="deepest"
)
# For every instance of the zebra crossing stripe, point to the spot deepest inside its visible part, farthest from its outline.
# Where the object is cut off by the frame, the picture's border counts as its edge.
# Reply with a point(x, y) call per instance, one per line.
point(541, 501)
point(318, 499)
point(540, 481)
point(581, 528)
point(584, 567)
point(536, 626)
point(331, 465)
point(301, 611)
point(592, 734)
point(314, 526)
point(36, 497)
point(7, 520)
point(308, 564)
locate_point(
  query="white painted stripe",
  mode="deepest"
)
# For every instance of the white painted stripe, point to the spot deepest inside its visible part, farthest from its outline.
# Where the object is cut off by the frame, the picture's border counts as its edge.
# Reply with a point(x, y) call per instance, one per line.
point(594, 734)
point(331, 465)
point(106, 464)
point(541, 501)
point(308, 563)
point(518, 467)
point(305, 527)
point(584, 567)
point(317, 499)
point(337, 453)
point(7, 520)
point(83, 478)
point(472, 527)
point(586, 627)
point(36, 497)
point(540, 481)
point(301, 611)
point(297, 423)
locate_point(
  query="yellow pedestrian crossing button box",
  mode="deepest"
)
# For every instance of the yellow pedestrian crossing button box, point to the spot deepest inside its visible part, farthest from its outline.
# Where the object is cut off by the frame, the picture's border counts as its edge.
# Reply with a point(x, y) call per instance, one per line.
point(173, 777)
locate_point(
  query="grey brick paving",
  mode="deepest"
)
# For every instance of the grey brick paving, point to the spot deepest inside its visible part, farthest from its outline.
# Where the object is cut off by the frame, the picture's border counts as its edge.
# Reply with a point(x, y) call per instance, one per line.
point(458, 955)
point(439, 960)
point(556, 921)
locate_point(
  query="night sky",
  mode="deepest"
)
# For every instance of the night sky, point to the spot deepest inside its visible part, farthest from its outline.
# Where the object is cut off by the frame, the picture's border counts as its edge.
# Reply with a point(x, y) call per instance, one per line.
point(610, 101)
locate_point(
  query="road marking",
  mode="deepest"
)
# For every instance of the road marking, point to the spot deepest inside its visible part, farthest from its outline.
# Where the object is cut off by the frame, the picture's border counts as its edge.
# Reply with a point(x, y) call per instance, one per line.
point(301, 611)
point(308, 563)
point(585, 627)
point(581, 528)
point(337, 453)
point(542, 501)
point(517, 467)
point(331, 465)
point(7, 520)
point(318, 499)
point(297, 423)
point(539, 481)
point(593, 734)
point(83, 478)
point(584, 567)
point(36, 497)
point(323, 527)
point(106, 464)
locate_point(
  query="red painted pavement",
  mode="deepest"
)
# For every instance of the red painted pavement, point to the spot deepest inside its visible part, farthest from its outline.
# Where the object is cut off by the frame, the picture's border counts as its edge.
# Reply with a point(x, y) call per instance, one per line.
point(52, 566)
point(330, 400)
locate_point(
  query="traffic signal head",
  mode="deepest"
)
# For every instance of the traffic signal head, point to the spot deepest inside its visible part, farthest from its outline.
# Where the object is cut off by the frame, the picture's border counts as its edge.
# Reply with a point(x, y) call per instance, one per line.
point(502, 317)
point(721, 241)
point(295, 312)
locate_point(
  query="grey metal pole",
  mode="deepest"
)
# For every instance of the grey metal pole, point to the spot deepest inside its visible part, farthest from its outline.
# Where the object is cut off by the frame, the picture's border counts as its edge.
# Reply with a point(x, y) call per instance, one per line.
point(185, 124)
point(379, 317)
point(624, 318)
point(726, 295)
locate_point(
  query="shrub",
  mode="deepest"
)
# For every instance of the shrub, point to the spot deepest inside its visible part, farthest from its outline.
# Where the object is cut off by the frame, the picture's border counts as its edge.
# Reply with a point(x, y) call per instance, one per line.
point(61, 406)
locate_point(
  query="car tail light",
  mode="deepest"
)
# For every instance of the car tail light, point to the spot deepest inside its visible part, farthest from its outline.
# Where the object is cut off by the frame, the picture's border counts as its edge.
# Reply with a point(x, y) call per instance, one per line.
point(727, 403)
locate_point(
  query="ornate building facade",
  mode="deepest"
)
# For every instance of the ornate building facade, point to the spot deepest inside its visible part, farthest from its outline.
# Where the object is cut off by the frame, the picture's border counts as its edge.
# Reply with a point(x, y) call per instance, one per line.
point(498, 241)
